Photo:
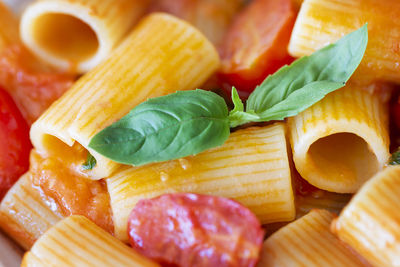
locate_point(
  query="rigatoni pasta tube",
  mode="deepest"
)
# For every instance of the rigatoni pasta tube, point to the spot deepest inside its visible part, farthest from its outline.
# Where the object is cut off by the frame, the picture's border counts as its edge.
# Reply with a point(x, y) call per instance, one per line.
point(76, 241)
point(325, 21)
point(251, 167)
point(342, 141)
point(77, 35)
point(162, 55)
point(308, 242)
point(370, 224)
point(25, 214)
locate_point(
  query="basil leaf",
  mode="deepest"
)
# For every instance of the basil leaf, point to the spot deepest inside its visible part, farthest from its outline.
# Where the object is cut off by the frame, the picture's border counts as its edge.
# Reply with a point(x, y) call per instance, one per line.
point(165, 128)
point(294, 88)
point(395, 158)
point(90, 163)
point(237, 116)
point(237, 102)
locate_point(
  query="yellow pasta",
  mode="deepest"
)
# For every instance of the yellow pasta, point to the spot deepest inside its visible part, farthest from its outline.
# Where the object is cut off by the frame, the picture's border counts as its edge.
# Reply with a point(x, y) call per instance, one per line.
point(25, 214)
point(251, 167)
point(76, 241)
point(307, 242)
point(324, 21)
point(162, 55)
point(77, 35)
point(342, 141)
point(8, 27)
point(371, 222)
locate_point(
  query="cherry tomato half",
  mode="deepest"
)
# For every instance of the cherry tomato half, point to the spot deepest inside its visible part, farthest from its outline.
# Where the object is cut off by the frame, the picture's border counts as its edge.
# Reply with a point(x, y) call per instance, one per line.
point(256, 44)
point(195, 230)
point(14, 143)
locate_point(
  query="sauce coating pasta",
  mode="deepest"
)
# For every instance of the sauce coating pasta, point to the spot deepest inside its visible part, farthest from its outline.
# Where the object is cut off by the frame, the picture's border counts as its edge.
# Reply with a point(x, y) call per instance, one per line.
point(134, 164)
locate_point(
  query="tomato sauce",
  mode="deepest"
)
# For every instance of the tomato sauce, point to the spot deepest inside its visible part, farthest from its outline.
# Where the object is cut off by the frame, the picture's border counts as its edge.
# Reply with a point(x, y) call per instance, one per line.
point(60, 179)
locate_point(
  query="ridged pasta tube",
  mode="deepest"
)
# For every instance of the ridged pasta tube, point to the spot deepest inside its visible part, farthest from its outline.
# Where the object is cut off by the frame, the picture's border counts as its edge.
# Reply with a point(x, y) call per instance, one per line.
point(342, 141)
point(162, 55)
point(325, 21)
point(370, 224)
point(251, 167)
point(25, 214)
point(76, 241)
point(307, 242)
point(77, 35)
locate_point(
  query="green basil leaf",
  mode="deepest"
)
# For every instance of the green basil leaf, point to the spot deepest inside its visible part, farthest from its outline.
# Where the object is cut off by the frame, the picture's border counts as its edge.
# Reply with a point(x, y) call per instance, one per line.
point(330, 66)
point(90, 163)
point(164, 128)
point(237, 102)
point(237, 116)
point(299, 100)
point(395, 158)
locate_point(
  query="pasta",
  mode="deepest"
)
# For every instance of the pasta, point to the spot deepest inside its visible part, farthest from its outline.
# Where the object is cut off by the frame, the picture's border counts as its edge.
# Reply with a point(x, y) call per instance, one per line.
point(251, 167)
point(91, 29)
point(307, 242)
point(76, 241)
point(155, 132)
point(342, 141)
point(370, 224)
point(184, 60)
point(316, 27)
point(25, 215)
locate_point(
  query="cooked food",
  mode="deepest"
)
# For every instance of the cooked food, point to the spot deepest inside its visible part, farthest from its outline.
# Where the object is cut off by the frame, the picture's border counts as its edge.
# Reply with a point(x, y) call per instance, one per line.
point(201, 133)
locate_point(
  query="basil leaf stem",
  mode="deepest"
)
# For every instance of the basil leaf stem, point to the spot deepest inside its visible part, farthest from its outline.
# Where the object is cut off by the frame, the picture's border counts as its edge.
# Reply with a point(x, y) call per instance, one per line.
point(90, 163)
point(237, 116)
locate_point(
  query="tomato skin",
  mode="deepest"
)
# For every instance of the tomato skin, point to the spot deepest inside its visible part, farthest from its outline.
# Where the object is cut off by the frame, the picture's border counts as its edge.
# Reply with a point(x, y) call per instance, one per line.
point(195, 230)
point(14, 143)
point(32, 86)
point(256, 44)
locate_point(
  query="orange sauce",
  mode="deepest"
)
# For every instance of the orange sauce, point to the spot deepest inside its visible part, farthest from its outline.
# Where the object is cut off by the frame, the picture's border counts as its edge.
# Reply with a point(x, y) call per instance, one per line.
point(61, 178)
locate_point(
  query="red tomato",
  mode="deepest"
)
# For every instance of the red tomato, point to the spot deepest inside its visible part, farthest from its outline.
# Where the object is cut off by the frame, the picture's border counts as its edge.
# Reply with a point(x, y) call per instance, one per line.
point(32, 87)
point(256, 44)
point(195, 230)
point(14, 143)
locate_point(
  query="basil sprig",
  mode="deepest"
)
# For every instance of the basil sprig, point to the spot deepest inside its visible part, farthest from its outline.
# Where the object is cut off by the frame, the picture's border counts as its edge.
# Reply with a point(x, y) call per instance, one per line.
point(189, 122)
